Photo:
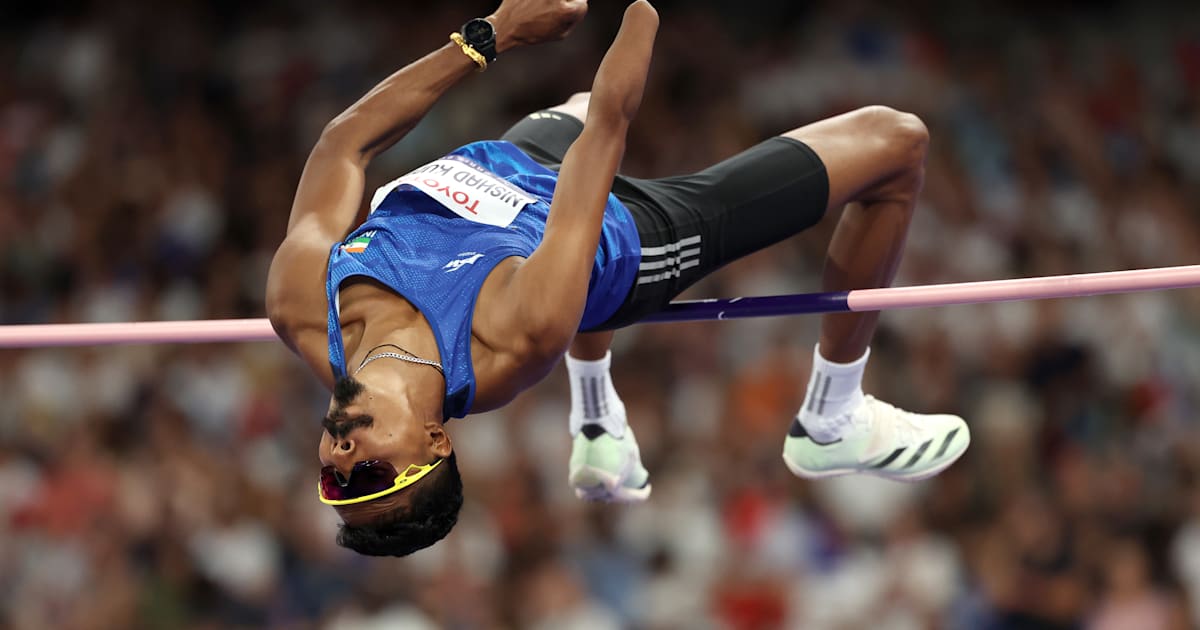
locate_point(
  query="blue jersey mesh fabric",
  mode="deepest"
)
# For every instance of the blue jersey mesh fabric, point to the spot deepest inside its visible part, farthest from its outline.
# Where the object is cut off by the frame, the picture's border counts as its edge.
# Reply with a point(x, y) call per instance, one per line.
point(438, 260)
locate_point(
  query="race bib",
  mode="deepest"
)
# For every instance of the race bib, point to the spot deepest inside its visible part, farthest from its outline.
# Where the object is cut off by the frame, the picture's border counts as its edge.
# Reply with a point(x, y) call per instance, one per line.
point(464, 188)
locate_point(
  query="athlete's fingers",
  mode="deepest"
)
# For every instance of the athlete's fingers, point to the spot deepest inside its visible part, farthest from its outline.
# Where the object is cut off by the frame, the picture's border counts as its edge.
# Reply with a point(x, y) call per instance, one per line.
point(530, 22)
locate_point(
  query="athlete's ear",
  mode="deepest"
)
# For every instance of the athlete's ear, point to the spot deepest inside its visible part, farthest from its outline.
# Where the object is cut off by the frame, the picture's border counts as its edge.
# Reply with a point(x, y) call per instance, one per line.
point(439, 441)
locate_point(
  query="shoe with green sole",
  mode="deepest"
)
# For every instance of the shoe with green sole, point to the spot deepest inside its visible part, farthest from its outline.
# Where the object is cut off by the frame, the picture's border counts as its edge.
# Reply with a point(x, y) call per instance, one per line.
point(881, 440)
point(606, 468)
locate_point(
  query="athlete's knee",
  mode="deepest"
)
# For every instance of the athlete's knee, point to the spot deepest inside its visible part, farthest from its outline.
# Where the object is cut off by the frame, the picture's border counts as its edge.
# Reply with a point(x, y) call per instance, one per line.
point(901, 137)
point(910, 135)
point(902, 141)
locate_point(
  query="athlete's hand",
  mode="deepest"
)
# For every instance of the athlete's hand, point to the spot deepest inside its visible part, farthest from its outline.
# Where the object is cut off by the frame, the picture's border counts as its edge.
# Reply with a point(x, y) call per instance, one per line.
point(528, 22)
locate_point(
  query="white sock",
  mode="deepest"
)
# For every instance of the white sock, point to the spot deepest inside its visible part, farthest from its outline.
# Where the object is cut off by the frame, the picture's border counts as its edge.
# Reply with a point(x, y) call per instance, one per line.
point(593, 398)
point(834, 390)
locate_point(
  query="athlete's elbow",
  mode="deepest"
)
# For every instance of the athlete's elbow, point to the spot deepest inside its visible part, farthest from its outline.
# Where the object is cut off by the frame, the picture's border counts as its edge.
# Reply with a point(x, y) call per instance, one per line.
point(611, 112)
point(282, 317)
point(551, 342)
point(548, 335)
point(339, 132)
point(614, 102)
point(345, 136)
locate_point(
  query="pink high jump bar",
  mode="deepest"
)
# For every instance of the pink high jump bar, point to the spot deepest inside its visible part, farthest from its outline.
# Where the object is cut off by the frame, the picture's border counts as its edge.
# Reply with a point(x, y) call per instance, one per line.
point(1076, 285)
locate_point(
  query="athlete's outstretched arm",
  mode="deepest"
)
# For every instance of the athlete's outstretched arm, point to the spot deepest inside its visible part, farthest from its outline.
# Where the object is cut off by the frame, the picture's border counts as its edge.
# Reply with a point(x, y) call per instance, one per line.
point(330, 190)
point(331, 187)
point(550, 287)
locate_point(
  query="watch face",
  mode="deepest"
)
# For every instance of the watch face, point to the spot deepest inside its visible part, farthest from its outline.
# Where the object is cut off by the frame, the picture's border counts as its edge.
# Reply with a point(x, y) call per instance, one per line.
point(478, 31)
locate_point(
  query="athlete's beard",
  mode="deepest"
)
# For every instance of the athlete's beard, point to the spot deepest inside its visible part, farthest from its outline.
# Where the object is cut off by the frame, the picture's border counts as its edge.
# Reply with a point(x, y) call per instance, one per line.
point(345, 391)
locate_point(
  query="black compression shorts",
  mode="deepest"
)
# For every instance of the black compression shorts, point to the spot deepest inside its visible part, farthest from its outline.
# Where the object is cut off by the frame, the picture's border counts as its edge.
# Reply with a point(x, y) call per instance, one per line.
point(691, 225)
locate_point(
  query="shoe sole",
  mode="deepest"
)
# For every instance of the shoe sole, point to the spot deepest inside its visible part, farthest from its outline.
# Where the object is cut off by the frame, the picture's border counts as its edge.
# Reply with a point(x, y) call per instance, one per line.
point(805, 473)
point(595, 484)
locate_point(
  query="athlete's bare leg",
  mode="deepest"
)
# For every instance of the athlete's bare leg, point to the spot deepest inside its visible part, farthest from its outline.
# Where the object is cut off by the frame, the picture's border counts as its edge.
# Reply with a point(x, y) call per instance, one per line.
point(875, 158)
point(591, 346)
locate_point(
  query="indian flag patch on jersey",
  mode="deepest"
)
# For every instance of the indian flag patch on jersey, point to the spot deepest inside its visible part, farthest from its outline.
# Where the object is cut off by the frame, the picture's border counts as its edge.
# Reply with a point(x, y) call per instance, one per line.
point(359, 244)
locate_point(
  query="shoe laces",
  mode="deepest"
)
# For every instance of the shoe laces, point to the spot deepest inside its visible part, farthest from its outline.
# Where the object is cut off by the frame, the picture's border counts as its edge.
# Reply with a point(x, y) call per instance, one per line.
point(904, 429)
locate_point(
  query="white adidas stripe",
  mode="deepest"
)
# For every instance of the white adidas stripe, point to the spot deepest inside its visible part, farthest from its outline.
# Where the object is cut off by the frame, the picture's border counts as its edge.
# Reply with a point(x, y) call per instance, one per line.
point(667, 262)
point(672, 247)
point(671, 273)
point(672, 266)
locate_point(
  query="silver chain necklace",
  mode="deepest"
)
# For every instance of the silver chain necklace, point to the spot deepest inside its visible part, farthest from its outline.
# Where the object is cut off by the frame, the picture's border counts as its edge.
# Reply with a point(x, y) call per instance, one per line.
point(407, 356)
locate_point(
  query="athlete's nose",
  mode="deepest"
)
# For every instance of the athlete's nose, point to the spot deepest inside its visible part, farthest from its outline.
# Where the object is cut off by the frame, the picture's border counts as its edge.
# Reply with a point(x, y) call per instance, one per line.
point(342, 452)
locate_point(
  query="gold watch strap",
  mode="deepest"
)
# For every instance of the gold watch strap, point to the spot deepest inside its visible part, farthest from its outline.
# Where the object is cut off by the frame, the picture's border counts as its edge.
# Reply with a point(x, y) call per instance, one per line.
point(469, 51)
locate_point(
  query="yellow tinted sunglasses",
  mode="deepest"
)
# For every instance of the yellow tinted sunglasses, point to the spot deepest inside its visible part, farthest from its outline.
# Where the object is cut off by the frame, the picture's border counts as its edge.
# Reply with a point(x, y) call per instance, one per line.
point(368, 480)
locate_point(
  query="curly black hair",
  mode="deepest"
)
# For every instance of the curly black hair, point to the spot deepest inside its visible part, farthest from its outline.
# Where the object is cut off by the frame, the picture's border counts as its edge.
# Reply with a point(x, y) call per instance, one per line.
point(428, 517)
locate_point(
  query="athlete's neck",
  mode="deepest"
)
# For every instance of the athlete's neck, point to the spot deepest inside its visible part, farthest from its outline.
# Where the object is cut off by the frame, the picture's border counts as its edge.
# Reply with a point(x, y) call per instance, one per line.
point(421, 386)
point(376, 337)
point(374, 316)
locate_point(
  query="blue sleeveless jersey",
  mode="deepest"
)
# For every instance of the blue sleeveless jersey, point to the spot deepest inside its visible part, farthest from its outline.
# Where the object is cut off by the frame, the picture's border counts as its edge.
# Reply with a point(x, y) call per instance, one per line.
point(435, 234)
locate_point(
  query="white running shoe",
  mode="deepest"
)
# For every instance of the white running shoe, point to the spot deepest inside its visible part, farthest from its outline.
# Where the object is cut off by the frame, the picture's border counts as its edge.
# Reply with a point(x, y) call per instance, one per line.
point(608, 469)
point(881, 440)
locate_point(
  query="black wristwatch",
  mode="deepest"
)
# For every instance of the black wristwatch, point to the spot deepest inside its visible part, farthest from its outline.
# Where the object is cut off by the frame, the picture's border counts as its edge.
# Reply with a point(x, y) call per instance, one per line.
point(481, 35)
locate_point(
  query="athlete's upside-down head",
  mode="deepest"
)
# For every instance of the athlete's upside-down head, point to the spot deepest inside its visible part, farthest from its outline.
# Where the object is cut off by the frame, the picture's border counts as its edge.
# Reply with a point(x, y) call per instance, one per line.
point(370, 469)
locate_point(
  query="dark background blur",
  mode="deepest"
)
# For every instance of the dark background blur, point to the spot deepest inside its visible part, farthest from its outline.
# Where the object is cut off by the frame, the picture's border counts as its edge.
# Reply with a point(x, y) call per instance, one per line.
point(148, 156)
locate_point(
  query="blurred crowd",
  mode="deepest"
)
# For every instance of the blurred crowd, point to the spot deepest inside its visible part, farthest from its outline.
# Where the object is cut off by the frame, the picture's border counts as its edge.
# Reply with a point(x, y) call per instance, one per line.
point(147, 161)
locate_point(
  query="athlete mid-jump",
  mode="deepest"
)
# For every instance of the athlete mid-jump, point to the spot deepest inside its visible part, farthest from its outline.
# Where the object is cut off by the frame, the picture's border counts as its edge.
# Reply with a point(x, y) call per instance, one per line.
point(475, 273)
